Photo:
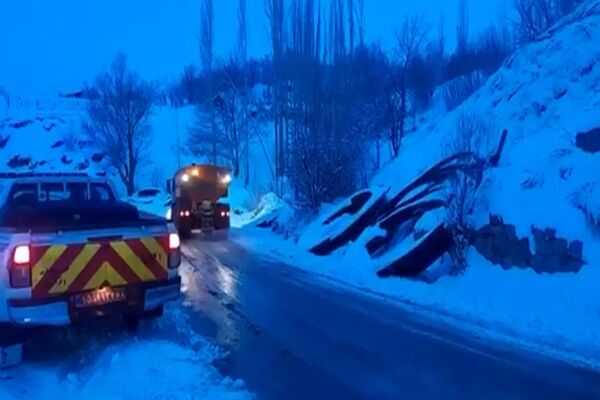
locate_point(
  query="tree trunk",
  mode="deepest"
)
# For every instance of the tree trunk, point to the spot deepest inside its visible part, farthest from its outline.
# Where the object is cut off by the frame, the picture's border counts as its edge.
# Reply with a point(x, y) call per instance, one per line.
point(131, 164)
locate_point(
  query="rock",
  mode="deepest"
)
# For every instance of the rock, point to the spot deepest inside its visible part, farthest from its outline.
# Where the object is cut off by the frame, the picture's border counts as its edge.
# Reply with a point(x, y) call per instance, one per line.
point(537, 263)
point(525, 246)
point(543, 248)
point(4, 141)
point(65, 160)
point(21, 124)
point(552, 264)
point(57, 144)
point(572, 265)
point(538, 234)
point(48, 126)
point(495, 220)
point(486, 231)
point(98, 157)
point(560, 93)
point(501, 244)
point(550, 233)
point(484, 246)
point(507, 261)
point(576, 250)
point(18, 161)
point(82, 166)
point(510, 230)
point(559, 248)
point(589, 141)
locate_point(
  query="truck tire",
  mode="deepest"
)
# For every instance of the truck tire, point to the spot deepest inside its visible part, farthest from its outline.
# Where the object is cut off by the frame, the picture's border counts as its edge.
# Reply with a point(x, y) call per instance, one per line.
point(153, 314)
point(9, 335)
point(132, 322)
point(184, 231)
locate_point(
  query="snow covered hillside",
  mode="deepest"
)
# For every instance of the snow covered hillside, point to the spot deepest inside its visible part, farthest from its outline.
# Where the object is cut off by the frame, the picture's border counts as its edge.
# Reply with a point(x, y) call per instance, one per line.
point(48, 135)
point(546, 94)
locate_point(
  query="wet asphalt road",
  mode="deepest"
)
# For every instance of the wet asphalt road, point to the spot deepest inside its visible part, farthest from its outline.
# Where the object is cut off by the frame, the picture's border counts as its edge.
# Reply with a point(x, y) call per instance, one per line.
point(291, 336)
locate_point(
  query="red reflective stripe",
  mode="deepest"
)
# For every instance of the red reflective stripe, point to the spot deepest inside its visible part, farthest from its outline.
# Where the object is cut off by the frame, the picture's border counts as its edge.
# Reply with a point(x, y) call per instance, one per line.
point(119, 265)
point(61, 265)
point(89, 271)
point(148, 259)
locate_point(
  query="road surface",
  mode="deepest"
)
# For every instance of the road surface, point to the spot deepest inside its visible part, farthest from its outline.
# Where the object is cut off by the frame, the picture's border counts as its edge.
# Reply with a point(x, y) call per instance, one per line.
point(291, 336)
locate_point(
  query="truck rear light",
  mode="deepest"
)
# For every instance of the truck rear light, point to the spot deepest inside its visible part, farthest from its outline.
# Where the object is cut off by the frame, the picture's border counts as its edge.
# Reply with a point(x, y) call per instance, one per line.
point(20, 268)
point(174, 250)
point(21, 255)
point(174, 242)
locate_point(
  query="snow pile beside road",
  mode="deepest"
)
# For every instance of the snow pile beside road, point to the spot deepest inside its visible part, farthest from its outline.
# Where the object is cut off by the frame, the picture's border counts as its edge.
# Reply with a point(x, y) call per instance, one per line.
point(129, 370)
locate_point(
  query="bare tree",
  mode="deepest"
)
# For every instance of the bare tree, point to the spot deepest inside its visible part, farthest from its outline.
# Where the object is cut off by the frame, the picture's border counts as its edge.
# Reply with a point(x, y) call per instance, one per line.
point(242, 56)
point(275, 13)
point(360, 20)
point(119, 119)
point(409, 40)
point(535, 17)
point(462, 28)
point(207, 39)
point(471, 135)
point(234, 129)
point(351, 25)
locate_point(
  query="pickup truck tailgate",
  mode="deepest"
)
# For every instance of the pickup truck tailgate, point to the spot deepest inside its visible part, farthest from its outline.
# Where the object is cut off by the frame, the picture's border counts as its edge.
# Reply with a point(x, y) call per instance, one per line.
point(70, 268)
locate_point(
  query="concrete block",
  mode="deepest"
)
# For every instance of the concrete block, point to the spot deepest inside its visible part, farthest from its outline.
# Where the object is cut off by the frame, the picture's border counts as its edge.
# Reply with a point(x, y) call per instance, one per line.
point(510, 231)
point(559, 248)
point(550, 233)
point(576, 250)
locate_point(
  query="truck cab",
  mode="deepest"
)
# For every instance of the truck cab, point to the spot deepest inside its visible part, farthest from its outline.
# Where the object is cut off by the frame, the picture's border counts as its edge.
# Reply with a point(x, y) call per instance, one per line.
point(70, 251)
point(198, 199)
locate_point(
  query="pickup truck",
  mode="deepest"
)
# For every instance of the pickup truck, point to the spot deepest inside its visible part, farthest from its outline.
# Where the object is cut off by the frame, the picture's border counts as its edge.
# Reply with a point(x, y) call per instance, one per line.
point(70, 251)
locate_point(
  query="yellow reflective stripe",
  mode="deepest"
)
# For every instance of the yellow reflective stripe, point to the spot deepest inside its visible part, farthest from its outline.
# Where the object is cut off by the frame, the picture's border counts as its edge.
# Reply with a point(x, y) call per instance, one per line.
point(78, 265)
point(155, 248)
point(113, 277)
point(98, 279)
point(45, 263)
point(133, 261)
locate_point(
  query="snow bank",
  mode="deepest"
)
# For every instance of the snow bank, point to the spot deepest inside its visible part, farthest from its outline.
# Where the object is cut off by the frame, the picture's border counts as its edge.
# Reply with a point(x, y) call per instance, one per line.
point(133, 369)
point(167, 360)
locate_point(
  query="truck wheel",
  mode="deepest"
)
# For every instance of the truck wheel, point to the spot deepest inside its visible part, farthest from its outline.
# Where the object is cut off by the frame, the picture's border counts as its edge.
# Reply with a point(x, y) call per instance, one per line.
point(153, 314)
point(184, 232)
point(9, 335)
point(132, 322)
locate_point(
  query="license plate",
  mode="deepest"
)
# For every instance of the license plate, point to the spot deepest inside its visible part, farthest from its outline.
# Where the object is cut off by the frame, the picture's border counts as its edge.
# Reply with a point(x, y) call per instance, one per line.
point(100, 297)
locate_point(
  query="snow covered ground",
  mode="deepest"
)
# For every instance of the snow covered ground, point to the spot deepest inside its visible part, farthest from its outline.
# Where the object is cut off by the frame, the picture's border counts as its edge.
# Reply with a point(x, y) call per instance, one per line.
point(164, 362)
point(544, 95)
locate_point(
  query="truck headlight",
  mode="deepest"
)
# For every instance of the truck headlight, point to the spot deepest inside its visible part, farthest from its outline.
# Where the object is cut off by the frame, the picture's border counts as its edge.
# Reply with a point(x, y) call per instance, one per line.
point(226, 179)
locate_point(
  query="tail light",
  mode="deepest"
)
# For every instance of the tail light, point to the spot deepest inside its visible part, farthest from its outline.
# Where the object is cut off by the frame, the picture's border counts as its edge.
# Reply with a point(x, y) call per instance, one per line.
point(184, 213)
point(20, 267)
point(174, 250)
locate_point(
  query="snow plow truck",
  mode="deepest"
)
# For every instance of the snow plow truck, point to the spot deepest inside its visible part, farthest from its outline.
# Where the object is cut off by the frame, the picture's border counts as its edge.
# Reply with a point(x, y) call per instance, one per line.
point(198, 194)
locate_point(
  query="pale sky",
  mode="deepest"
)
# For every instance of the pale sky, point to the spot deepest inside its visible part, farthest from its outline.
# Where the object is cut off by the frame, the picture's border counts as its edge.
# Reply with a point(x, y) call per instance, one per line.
point(47, 46)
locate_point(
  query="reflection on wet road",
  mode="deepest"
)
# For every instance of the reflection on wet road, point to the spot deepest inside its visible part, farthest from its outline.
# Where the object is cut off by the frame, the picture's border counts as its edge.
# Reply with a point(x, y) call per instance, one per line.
point(291, 336)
